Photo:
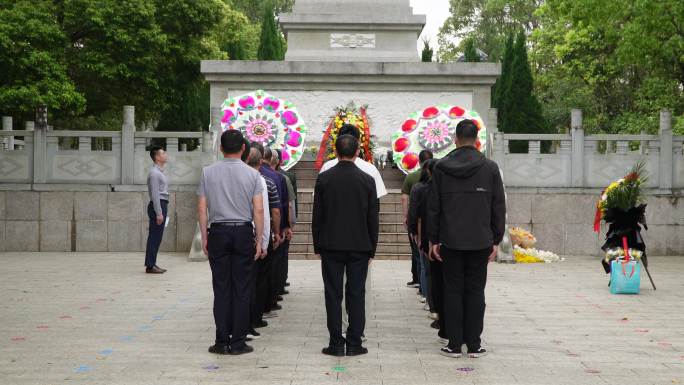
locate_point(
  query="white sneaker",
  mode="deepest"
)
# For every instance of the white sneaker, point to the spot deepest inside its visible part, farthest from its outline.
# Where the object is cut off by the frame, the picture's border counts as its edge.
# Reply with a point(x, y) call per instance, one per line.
point(442, 341)
point(433, 316)
point(447, 352)
point(270, 314)
point(426, 307)
point(421, 299)
point(478, 353)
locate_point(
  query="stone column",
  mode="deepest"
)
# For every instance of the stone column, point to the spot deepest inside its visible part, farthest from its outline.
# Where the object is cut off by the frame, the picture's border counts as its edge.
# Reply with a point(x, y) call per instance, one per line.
point(7, 126)
point(577, 133)
point(128, 145)
point(40, 145)
point(666, 151)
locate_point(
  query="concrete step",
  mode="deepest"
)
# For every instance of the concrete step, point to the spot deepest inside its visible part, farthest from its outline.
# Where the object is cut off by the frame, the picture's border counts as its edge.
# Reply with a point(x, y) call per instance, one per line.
point(385, 227)
point(383, 248)
point(305, 195)
point(385, 217)
point(303, 235)
point(385, 207)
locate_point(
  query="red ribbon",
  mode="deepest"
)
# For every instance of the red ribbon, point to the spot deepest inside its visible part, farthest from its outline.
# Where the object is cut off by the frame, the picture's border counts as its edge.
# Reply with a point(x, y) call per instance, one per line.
point(627, 258)
point(597, 219)
point(322, 150)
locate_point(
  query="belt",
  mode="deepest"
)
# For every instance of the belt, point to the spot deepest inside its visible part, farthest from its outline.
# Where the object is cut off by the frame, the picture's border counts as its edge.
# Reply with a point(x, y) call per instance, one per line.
point(231, 224)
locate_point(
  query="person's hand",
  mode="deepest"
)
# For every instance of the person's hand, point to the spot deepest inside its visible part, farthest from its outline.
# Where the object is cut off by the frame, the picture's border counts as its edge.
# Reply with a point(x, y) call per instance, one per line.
point(204, 246)
point(160, 219)
point(418, 242)
point(277, 240)
point(434, 250)
point(370, 260)
point(495, 251)
point(287, 234)
point(257, 255)
point(264, 253)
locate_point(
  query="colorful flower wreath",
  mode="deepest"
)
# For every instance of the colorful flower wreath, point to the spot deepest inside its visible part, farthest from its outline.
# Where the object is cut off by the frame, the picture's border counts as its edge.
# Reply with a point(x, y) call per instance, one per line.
point(349, 114)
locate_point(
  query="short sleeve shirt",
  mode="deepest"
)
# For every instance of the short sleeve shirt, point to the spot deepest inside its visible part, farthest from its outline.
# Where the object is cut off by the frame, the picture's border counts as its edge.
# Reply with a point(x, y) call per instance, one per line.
point(229, 187)
point(410, 180)
point(273, 196)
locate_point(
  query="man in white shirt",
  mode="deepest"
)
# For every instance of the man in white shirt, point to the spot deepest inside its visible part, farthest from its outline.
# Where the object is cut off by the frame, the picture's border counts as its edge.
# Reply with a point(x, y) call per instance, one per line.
point(366, 167)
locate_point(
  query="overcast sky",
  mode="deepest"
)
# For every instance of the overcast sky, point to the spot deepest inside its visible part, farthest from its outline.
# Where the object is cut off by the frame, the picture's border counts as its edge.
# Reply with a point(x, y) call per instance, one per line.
point(436, 11)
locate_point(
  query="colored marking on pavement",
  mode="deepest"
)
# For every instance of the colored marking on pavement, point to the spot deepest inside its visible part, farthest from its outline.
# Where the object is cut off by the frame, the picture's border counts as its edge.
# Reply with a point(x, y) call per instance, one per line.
point(17, 339)
point(641, 330)
point(465, 370)
point(84, 307)
point(126, 338)
point(144, 328)
point(158, 317)
point(211, 367)
point(339, 369)
point(664, 344)
point(65, 317)
point(592, 371)
point(42, 327)
point(106, 352)
point(82, 369)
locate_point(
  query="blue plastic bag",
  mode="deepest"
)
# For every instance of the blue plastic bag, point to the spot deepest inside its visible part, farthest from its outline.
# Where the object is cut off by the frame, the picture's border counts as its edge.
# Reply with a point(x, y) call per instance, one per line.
point(625, 278)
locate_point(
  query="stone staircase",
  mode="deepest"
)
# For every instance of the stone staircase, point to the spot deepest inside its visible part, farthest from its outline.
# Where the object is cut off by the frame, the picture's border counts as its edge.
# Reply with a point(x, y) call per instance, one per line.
point(393, 241)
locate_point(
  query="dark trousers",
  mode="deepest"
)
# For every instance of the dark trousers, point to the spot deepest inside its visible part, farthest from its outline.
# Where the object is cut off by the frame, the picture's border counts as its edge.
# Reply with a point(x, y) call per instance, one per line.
point(156, 232)
point(415, 263)
point(274, 276)
point(285, 267)
point(231, 257)
point(334, 265)
point(261, 278)
point(465, 277)
point(437, 294)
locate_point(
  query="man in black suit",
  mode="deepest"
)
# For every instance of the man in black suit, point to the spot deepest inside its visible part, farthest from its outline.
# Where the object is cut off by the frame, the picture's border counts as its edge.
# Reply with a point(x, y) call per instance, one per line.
point(345, 227)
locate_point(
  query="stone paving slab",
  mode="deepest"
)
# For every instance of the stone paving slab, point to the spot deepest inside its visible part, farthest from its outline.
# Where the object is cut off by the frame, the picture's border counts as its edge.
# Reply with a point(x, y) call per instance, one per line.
point(96, 318)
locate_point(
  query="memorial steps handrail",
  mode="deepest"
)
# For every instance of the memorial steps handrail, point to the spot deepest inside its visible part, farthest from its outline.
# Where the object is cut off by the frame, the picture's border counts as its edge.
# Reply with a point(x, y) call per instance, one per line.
point(170, 134)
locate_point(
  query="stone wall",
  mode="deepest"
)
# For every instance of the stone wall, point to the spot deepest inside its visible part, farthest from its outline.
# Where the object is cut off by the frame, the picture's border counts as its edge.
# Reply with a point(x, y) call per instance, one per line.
point(90, 221)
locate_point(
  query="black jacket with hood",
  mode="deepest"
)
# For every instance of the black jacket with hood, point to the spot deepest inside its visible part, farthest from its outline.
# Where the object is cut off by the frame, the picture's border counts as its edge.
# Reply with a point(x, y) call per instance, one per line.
point(467, 206)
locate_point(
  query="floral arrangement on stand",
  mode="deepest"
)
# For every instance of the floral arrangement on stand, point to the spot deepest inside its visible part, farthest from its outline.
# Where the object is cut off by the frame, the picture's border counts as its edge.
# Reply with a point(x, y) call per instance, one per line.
point(622, 206)
point(349, 114)
point(269, 120)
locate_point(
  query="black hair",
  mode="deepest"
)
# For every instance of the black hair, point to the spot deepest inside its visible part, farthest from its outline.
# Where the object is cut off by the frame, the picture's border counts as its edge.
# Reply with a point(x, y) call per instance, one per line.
point(424, 156)
point(346, 146)
point(245, 154)
point(259, 147)
point(466, 130)
point(153, 151)
point(349, 129)
point(426, 171)
point(232, 141)
point(280, 157)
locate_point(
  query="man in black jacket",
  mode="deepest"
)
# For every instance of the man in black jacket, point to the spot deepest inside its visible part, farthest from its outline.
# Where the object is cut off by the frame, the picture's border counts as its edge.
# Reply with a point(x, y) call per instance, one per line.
point(345, 228)
point(466, 221)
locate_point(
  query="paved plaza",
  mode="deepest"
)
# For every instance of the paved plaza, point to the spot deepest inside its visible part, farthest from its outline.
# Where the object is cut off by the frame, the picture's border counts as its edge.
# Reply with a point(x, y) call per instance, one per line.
point(98, 319)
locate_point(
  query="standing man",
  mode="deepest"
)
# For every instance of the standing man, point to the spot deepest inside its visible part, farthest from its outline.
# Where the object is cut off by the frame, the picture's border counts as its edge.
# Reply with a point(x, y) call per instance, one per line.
point(466, 221)
point(411, 180)
point(291, 179)
point(231, 193)
point(345, 227)
point(157, 209)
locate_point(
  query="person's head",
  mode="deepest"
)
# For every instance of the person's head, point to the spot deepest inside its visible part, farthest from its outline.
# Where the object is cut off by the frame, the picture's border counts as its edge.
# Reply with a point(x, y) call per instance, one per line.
point(246, 151)
point(347, 147)
point(466, 133)
point(232, 143)
point(426, 170)
point(349, 129)
point(259, 147)
point(424, 156)
point(158, 154)
point(254, 158)
point(274, 159)
point(279, 153)
point(268, 156)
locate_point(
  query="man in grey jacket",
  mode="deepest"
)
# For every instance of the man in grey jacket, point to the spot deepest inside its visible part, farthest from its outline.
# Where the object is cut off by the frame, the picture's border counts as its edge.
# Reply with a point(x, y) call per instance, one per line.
point(157, 209)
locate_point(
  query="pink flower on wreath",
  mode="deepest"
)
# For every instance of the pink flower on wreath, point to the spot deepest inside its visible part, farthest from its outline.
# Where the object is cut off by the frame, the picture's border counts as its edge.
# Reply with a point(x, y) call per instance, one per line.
point(259, 129)
point(436, 132)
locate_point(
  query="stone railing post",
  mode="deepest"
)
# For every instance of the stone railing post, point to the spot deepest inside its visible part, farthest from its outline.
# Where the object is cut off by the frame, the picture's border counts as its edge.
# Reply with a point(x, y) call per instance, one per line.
point(7, 126)
point(128, 145)
point(577, 132)
point(492, 129)
point(40, 145)
point(666, 151)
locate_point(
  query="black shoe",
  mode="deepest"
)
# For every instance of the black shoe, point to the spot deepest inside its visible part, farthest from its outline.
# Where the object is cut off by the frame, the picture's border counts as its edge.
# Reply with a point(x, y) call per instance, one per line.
point(435, 325)
point(412, 284)
point(356, 351)
point(219, 349)
point(260, 324)
point(279, 298)
point(154, 270)
point(450, 352)
point(287, 284)
point(253, 334)
point(164, 270)
point(243, 350)
point(284, 292)
point(334, 351)
point(276, 307)
point(477, 353)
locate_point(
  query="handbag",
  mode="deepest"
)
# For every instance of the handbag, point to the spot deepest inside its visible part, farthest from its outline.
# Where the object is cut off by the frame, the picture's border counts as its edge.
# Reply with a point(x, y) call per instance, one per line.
point(625, 273)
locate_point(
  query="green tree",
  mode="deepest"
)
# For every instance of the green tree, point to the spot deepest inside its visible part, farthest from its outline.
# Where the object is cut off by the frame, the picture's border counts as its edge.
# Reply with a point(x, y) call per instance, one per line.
point(487, 23)
point(33, 64)
point(498, 90)
point(270, 43)
point(254, 9)
point(427, 53)
point(470, 54)
point(522, 112)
